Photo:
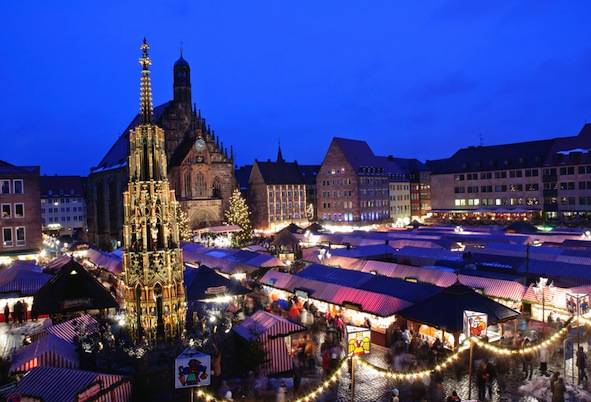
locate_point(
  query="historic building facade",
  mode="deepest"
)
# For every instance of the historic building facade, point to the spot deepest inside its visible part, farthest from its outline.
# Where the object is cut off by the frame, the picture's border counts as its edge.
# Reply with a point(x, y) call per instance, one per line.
point(63, 205)
point(546, 179)
point(352, 184)
point(277, 194)
point(20, 211)
point(200, 168)
point(152, 261)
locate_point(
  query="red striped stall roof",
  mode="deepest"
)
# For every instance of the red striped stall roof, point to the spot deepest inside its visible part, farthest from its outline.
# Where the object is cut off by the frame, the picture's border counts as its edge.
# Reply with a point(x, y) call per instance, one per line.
point(271, 331)
point(23, 278)
point(374, 303)
point(68, 330)
point(47, 351)
point(51, 384)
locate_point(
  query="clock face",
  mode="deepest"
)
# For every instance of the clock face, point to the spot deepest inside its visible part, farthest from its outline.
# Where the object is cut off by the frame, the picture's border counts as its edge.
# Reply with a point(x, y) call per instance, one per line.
point(200, 144)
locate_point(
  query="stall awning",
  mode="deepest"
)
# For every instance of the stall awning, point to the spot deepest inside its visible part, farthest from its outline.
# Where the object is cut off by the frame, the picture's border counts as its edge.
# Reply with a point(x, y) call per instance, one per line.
point(445, 310)
point(70, 385)
point(47, 351)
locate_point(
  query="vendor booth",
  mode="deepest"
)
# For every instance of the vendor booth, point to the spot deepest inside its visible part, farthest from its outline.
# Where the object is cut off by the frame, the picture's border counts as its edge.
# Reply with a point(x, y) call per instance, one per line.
point(275, 334)
point(442, 315)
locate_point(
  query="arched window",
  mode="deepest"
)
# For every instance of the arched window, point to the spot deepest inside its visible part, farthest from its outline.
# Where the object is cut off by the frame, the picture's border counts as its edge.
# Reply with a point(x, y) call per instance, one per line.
point(217, 188)
point(200, 185)
point(187, 192)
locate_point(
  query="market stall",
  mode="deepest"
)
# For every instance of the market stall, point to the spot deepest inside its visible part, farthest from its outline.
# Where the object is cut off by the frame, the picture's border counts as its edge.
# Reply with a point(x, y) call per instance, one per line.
point(49, 350)
point(275, 334)
point(442, 315)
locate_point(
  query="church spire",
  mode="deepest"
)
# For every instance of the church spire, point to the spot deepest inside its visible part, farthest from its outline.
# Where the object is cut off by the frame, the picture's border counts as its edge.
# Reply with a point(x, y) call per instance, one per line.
point(279, 153)
point(146, 108)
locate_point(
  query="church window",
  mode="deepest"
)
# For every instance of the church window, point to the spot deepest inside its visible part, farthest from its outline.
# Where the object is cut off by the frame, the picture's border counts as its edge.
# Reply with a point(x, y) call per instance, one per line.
point(188, 184)
point(200, 185)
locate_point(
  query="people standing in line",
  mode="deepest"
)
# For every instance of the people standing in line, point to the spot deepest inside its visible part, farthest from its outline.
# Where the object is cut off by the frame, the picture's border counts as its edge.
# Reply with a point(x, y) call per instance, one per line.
point(17, 312)
point(6, 313)
point(582, 365)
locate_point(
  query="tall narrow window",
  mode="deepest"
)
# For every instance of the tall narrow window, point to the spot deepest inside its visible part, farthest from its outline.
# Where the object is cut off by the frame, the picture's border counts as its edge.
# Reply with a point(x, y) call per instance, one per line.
point(217, 188)
point(200, 185)
point(7, 237)
point(20, 236)
point(6, 212)
point(18, 186)
point(188, 185)
point(4, 186)
point(19, 210)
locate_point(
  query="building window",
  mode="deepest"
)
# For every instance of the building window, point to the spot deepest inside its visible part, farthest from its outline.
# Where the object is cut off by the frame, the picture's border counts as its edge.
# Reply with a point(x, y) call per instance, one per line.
point(6, 211)
point(200, 185)
point(18, 186)
point(20, 236)
point(7, 237)
point(19, 210)
point(5, 186)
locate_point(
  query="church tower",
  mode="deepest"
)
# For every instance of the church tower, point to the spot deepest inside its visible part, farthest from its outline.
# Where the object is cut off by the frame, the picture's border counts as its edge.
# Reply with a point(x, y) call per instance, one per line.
point(152, 261)
point(182, 82)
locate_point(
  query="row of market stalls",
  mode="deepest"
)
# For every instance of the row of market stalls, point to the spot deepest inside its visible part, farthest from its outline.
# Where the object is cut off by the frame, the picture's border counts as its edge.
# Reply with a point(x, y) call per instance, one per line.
point(363, 299)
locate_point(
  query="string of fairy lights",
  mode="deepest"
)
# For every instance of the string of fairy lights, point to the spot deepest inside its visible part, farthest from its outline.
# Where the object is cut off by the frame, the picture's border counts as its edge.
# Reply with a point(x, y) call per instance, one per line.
point(419, 374)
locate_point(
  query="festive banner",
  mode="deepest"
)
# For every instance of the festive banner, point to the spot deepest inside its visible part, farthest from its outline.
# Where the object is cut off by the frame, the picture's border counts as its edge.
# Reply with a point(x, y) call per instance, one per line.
point(475, 324)
point(192, 369)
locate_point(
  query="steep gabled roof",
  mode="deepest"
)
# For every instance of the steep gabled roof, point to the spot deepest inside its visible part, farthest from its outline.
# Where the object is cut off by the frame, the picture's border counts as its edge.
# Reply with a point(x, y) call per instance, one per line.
point(116, 156)
point(73, 288)
point(357, 152)
point(280, 172)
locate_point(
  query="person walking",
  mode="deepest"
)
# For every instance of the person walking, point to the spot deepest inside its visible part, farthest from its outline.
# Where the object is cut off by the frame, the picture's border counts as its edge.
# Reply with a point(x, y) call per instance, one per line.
point(582, 365)
point(281, 393)
point(558, 390)
point(453, 397)
point(481, 380)
point(528, 365)
point(492, 376)
point(544, 357)
point(25, 311)
point(395, 395)
point(6, 313)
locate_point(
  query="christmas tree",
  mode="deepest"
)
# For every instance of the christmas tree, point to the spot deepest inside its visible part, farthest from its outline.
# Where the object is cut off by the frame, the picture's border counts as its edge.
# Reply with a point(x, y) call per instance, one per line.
point(238, 214)
point(182, 219)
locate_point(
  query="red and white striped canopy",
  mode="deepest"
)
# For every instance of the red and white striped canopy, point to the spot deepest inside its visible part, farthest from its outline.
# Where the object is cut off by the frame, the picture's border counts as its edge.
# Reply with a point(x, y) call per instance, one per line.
point(48, 351)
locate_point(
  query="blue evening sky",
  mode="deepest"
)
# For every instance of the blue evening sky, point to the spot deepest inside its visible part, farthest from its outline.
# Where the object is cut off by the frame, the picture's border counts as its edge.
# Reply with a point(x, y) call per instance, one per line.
point(415, 79)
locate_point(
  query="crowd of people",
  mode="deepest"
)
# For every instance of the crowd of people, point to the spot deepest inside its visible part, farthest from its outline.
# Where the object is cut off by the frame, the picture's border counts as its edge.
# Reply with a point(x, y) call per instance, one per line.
point(19, 312)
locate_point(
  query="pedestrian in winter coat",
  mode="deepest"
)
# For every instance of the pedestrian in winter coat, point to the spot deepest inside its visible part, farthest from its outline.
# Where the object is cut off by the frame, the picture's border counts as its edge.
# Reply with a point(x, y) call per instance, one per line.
point(544, 357)
point(453, 397)
point(582, 365)
point(6, 313)
point(481, 380)
point(395, 395)
point(558, 390)
point(281, 393)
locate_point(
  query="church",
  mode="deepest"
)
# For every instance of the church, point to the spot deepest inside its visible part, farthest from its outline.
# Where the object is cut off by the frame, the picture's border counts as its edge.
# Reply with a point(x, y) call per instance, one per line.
point(200, 168)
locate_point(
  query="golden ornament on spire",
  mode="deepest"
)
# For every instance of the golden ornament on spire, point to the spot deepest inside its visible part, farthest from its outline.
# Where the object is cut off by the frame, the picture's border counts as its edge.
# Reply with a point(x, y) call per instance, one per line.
point(146, 107)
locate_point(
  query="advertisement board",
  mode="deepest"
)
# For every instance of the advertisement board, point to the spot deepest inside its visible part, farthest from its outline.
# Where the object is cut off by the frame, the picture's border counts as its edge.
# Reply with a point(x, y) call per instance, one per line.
point(475, 323)
point(192, 369)
point(577, 303)
point(358, 340)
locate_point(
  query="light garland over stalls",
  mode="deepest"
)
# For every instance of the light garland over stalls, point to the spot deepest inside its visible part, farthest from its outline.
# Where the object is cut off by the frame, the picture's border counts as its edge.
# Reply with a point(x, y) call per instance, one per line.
point(421, 373)
point(522, 351)
point(411, 376)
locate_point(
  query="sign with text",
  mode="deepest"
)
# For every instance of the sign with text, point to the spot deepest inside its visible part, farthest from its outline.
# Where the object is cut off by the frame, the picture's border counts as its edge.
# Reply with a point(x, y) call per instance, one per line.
point(192, 369)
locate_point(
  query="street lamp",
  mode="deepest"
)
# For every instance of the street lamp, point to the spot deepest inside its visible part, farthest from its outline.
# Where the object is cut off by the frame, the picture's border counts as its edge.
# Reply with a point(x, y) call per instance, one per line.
point(540, 289)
